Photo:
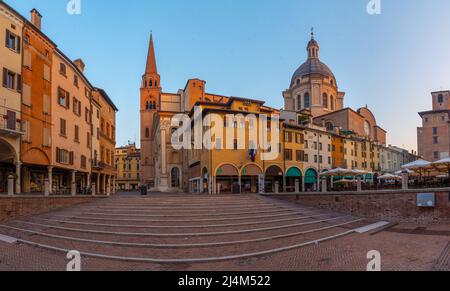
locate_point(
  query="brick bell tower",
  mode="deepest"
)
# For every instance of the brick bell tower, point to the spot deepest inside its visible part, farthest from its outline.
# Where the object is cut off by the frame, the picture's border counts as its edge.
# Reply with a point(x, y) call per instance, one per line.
point(150, 102)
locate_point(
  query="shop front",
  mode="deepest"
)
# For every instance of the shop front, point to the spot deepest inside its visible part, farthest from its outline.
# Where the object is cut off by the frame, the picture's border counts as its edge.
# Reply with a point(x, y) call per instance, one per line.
point(250, 179)
point(227, 180)
point(293, 180)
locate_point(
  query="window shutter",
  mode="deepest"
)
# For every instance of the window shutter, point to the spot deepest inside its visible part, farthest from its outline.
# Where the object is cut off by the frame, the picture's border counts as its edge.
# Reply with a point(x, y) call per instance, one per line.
point(19, 44)
point(19, 82)
point(46, 104)
point(7, 38)
point(47, 73)
point(5, 76)
point(68, 100)
point(26, 95)
point(71, 158)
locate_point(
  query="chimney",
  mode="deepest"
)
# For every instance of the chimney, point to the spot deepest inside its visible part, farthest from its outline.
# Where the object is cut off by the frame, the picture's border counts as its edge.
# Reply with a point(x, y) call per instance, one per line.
point(80, 64)
point(36, 18)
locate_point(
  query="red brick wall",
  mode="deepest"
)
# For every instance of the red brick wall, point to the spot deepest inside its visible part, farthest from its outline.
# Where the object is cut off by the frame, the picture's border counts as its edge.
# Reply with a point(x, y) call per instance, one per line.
point(390, 206)
point(15, 207)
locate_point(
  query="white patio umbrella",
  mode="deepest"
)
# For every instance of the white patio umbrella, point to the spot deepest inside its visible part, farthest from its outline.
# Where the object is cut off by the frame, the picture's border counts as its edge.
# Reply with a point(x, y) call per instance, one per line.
point(442, 165)
point(338, 172)
point(420, 166)
point(405, 171)
point(389, 177)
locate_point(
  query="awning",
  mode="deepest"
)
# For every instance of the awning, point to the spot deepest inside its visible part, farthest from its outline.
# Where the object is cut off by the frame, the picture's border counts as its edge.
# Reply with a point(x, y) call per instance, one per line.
point(311, 177)
point(294, 173)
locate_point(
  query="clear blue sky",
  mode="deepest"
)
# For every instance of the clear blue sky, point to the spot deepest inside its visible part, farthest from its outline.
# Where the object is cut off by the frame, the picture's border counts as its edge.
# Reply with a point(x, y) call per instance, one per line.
point(251, 48)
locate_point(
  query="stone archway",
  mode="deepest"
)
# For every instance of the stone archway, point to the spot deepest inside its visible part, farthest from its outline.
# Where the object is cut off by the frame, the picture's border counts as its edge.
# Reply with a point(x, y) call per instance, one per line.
point(8, 159)
point(274, 176)
point(227, 179)
point(249, 178)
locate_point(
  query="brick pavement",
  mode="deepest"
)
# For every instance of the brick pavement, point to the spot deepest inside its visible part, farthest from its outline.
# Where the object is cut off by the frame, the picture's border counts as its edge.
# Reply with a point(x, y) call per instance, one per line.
point(183, 227)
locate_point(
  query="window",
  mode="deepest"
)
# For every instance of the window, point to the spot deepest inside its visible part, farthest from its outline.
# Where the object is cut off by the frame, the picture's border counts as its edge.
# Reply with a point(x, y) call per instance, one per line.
point(436, 155)
point(26, 95)
point(299, 102)
point(13, 41)
point(64, 157)
point(76, 106)
point(440, 98)
point(26, 131)
point(218, 143)
point(87, 115)
point(307, 102)
point(77, 134)
point(325, 101)
point(62, 69)
point(83, 162)
point(288, 154)
point(332, 103)
point(47, 73)
point(300, 156)
point(63, 98)
point(46, 107)
point(435, 140)
point(12, 80)
point(27, 59)
point(75, 80)
point(147, 133)
point(88, 139)
point(435, 131)
point(235, 144)
point(62, 127)
point(47, 137)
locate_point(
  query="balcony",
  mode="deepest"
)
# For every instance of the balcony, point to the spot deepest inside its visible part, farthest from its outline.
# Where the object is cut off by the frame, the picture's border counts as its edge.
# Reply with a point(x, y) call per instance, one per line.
point(98, 165)
point(10, 124)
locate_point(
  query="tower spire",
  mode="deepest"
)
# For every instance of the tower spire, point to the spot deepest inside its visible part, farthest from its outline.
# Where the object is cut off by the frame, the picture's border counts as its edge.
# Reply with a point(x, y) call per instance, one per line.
point(151, 67)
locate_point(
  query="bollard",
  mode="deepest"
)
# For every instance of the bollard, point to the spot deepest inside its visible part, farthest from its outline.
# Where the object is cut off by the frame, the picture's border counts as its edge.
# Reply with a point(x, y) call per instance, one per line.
point(46, 187)
point(94, 188)
point(10, 185)
point(324, 186)
point(405, 181)
point(277, 187)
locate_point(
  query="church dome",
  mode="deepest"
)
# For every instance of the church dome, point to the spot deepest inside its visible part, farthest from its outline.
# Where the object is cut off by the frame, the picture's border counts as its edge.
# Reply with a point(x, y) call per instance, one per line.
point(312, 65)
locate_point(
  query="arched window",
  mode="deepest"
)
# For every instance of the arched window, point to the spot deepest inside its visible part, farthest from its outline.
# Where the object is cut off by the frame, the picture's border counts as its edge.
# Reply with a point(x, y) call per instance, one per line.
point(145, 83)
point(151, 83)
point(325, 100)
point(307, 103)
point(332, 105)
point(147, 133)
point(329, 126)
point(298, 81)
point(299, 102)
point(147, 105)
point(156, 83)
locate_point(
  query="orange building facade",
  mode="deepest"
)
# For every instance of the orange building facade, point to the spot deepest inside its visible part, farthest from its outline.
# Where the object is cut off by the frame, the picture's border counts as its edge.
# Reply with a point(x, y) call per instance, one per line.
point(36, 106)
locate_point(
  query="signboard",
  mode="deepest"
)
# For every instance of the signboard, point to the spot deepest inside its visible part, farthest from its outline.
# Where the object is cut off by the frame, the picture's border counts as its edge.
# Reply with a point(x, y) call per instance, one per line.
point(262, 184)
point(426, 199)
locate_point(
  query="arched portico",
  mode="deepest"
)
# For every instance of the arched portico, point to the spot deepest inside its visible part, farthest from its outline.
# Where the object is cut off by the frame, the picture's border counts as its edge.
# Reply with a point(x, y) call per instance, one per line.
point(227, 179)
point(9, 165)
point(294, 178)
point(311, 179)
point(274, 176)
point(249, 176)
